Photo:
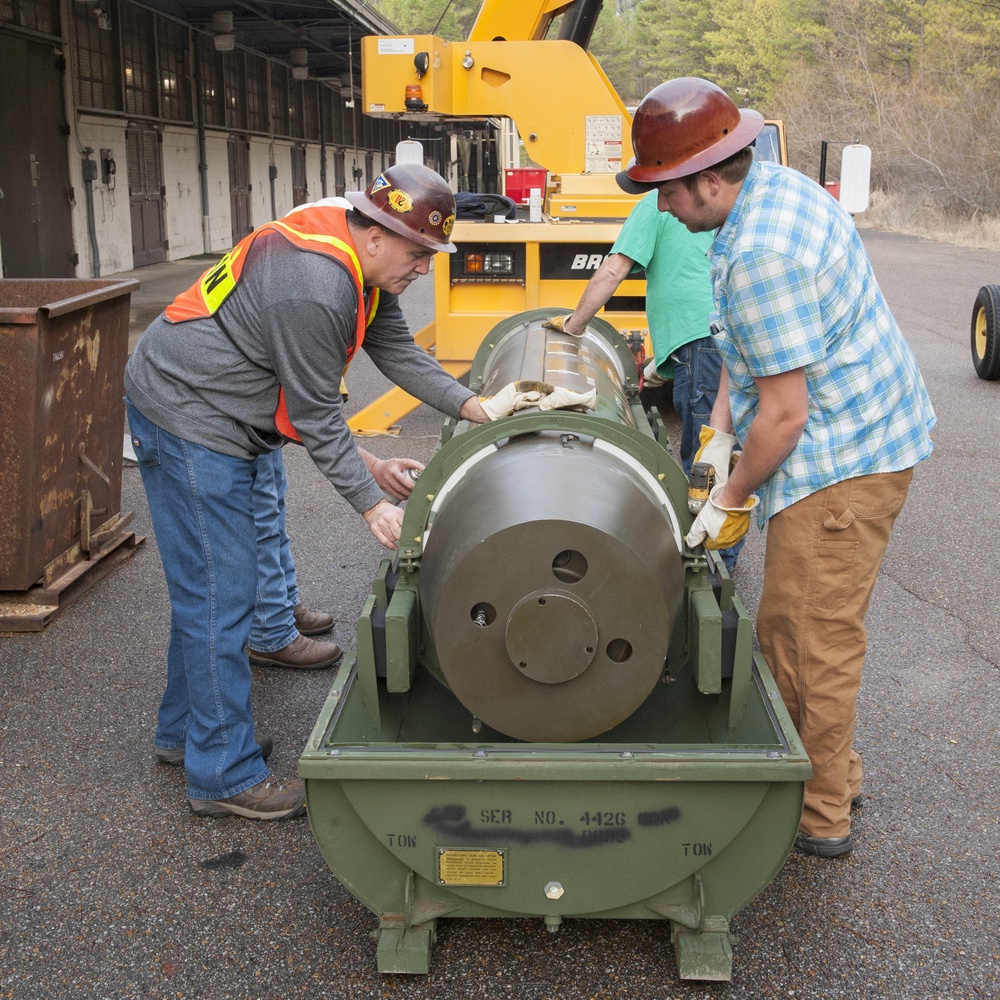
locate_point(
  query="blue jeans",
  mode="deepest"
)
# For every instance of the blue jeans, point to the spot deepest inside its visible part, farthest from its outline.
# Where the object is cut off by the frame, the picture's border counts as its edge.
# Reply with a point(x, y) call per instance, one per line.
point(277, 594)
point(697, 368)
point(200, 505)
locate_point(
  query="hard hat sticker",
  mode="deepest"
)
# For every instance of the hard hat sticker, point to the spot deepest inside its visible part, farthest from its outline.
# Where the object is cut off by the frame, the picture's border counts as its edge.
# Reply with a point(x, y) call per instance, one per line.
point(434, 218)
point(379, 183)
point(448, 225)
point(400, 201)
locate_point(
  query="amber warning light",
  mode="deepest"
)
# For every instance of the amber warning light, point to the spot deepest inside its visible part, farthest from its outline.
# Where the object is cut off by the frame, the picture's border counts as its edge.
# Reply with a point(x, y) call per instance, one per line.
point(413, 99)
point(495, 263)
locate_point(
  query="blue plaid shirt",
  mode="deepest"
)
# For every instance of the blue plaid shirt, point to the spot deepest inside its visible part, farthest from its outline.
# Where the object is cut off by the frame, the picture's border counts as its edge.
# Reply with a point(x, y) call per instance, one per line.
point(794, 288)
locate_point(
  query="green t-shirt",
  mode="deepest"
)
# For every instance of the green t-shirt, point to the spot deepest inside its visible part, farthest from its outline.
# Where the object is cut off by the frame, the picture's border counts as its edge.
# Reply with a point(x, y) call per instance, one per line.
point(678, 287)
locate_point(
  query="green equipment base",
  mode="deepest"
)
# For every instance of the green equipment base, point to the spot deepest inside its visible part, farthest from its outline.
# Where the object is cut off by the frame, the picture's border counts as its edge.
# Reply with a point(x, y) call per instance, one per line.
point(675, 815)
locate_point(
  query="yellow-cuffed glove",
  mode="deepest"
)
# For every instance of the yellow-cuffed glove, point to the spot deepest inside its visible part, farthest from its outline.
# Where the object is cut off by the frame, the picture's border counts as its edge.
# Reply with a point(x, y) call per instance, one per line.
point(515, 396)
point(719, 527)
point(717, 450)
point(565, 399)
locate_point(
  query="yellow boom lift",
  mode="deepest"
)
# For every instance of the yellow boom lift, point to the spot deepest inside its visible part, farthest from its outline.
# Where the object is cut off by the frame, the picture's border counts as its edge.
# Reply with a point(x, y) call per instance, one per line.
point(572, 123)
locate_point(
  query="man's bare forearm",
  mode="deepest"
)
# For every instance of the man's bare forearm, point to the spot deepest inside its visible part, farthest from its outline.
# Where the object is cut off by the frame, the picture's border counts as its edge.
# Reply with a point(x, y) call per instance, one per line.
point(599, 289)
point(773, 433)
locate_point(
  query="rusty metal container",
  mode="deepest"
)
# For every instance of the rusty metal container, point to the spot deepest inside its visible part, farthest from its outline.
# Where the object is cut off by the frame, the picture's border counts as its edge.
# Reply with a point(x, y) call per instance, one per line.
point(63, 348)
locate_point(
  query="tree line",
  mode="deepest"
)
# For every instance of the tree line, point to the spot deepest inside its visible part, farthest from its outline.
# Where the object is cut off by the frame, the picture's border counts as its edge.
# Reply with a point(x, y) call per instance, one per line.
point(917, 80)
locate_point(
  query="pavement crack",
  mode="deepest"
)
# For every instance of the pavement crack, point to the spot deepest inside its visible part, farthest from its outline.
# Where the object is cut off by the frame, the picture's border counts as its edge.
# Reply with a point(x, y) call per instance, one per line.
point(985, 655)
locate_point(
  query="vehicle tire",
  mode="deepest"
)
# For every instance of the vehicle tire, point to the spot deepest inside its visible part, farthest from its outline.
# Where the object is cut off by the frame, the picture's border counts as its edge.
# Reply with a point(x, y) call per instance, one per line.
point(985, 333)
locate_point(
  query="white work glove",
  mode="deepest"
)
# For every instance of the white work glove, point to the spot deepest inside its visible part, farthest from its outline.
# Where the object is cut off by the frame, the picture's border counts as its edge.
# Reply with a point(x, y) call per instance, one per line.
point(717, 450)
point(650, 377)
point(515, 396)
point(565, 399)
point(721, 527)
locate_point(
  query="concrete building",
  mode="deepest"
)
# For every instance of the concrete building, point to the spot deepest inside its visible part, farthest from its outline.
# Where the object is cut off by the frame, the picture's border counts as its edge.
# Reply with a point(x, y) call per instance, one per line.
point(138, 132)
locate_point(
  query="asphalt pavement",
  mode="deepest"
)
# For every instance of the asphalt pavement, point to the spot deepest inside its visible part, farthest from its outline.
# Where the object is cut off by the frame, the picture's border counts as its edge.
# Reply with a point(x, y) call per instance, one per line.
point(111, 888)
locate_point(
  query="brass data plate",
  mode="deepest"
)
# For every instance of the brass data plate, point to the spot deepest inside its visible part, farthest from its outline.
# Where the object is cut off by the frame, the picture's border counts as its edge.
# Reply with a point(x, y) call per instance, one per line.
point(458, 866)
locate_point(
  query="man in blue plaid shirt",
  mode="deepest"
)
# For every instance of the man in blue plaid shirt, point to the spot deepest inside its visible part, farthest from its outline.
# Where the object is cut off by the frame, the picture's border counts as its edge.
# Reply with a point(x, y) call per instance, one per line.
point(825, 397)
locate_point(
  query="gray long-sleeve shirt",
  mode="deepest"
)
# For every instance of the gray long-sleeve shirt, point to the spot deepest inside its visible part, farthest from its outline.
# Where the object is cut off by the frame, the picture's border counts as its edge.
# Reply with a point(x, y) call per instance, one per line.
point(288, 323)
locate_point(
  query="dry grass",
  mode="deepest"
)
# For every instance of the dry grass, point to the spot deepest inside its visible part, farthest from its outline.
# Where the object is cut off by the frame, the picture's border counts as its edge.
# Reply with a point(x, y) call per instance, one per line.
point(896, 213)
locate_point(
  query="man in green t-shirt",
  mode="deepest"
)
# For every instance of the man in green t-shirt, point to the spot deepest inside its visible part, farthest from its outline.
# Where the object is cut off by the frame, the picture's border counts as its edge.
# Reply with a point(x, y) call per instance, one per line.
point(678, 301)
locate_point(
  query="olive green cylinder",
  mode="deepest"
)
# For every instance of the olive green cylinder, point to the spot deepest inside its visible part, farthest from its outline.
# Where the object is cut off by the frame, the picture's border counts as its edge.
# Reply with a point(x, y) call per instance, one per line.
point(550, 582)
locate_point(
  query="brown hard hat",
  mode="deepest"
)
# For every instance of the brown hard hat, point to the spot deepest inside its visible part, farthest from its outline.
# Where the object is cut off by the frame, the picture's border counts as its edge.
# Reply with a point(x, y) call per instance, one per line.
point(683, 126)
point(412, 200)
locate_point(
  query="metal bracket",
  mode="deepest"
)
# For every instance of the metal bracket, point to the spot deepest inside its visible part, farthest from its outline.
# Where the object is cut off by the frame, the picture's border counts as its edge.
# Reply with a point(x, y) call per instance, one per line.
point(705, 954)
point(702, 944)
point(405, 949)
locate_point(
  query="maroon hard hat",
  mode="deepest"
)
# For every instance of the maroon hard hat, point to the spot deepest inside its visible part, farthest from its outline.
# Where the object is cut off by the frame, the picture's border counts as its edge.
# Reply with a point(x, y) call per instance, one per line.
point(683, 126)
point(412, 200)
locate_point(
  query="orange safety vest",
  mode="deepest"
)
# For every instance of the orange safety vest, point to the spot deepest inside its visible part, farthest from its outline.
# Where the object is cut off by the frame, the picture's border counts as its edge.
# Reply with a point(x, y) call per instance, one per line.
point(317, 230)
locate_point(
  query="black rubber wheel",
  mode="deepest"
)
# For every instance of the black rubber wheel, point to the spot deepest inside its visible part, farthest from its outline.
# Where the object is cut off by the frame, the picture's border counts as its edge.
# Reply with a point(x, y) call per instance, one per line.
point(986, 333)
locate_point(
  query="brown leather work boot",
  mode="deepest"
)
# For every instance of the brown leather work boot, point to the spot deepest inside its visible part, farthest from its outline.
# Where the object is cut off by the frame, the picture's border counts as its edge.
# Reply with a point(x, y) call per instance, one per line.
point(300, 654)
point(310, 622)
point(268, 799)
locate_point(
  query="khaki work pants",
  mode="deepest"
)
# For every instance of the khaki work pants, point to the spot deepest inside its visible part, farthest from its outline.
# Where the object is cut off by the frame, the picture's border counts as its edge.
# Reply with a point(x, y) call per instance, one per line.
point(822, 559)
